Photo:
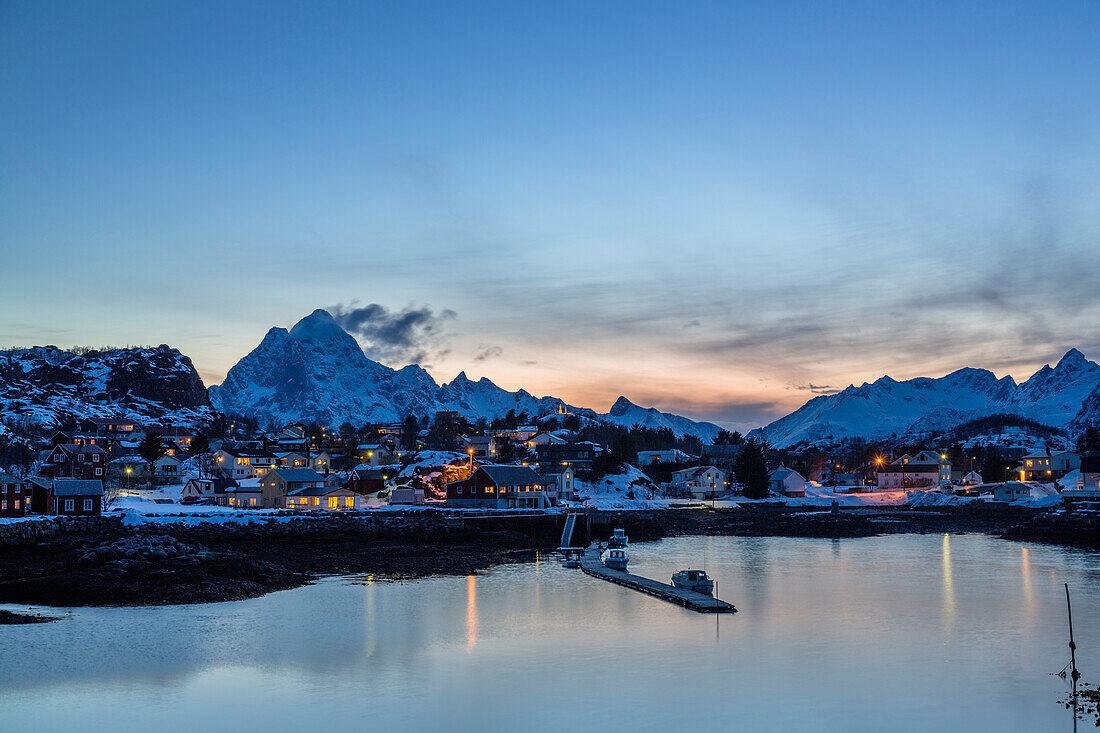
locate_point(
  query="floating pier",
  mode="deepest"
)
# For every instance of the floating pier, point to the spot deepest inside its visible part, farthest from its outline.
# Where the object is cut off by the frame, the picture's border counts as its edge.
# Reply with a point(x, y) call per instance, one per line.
point(689, 599)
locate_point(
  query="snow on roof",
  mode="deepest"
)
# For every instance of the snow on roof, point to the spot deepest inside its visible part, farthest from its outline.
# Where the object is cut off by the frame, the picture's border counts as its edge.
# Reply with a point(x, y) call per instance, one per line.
point(77, 487)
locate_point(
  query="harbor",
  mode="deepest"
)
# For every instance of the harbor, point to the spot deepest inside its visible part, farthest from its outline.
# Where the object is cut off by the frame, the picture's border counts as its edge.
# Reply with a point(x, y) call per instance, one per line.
point(591, 564)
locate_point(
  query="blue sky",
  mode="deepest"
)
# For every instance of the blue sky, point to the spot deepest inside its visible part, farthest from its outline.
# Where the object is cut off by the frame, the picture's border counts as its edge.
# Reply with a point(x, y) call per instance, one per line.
point(709, 207)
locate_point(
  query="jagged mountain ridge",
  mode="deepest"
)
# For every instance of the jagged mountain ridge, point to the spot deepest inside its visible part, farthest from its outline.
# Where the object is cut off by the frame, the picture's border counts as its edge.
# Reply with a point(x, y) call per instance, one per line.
point(318, 371)
point(916, 408)
point(43, 385)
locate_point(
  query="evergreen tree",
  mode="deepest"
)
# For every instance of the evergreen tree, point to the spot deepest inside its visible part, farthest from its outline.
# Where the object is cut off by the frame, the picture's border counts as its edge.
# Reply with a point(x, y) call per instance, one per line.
point(993, 466)
point(411, 430)
point(751, 470)
point(151, 449)
point(199, 445)
point(1088, 441)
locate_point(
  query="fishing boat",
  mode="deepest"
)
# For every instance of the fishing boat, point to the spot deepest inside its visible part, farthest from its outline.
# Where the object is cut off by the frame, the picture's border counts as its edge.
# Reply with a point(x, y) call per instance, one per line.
point(695, 580)
point(615, 558)
point(572, 559)
point(618, 538)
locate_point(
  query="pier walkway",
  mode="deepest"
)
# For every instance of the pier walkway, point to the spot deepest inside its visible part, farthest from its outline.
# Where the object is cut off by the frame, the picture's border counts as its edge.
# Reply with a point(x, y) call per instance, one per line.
point(591, 565)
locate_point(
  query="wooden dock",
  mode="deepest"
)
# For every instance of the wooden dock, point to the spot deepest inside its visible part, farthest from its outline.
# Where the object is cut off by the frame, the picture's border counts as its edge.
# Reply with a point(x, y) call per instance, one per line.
point(592, 565)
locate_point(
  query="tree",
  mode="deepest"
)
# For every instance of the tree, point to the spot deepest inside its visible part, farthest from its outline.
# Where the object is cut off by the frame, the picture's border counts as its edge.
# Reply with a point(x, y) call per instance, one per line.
point(1088, 441)
point(751, 470)
point(151, 449)
point(726, 437)
point(506, 450)
point(347, 431)
point(994, 468)
point(410, 432)
point(199, 445)
point(571, 423)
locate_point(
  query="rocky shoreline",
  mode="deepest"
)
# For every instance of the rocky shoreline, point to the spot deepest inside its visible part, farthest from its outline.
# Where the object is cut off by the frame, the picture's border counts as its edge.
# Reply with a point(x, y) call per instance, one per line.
point(102, 562)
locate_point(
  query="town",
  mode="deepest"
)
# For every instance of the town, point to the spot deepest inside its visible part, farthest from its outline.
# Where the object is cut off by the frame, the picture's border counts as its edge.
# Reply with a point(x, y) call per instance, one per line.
point(518, 462)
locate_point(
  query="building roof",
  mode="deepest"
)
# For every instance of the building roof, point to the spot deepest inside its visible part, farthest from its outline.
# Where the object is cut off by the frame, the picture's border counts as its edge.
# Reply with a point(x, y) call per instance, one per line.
point(297, 475)
point(512, 475)
point(782, 473)
point(77, 487)
point(7, 478)
point(316, 490)
point(247, 452)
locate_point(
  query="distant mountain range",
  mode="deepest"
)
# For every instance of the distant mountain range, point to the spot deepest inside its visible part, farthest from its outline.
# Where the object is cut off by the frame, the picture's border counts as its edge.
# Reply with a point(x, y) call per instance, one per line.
point(318, 371)
point(44, 385)
point(1066, 396)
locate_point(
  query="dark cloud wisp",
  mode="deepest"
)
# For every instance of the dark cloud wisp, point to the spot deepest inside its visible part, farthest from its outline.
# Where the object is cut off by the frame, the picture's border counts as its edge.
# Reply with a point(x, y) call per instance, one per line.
point(413, 334)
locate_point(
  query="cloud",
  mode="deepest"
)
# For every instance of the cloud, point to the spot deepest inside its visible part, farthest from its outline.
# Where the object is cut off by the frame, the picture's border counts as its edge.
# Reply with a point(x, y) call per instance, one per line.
point(486, 352)
point(410, 335)
point(816, 388)
point(693, 323)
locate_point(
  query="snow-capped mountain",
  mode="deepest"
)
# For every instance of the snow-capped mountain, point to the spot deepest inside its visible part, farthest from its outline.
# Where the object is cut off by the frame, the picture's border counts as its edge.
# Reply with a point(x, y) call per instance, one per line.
point(43, 385)
point(318, 371)
point(923, 406)
point(627, 414)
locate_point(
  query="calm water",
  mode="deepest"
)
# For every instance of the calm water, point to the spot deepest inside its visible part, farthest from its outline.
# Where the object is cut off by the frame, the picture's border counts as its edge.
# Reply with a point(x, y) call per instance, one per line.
point(902, 633)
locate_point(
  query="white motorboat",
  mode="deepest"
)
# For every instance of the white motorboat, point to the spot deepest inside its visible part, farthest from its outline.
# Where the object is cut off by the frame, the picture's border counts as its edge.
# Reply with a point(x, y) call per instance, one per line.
point(695, 580)
point(616, 558)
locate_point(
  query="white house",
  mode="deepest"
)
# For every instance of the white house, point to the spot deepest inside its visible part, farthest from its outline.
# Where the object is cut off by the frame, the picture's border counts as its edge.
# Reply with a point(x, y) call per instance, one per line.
point(925, 470)
point(973, 478)
point(1011, 491)
point(703, 482)
point(654, 457)
point(787, 481)
point(244, 463)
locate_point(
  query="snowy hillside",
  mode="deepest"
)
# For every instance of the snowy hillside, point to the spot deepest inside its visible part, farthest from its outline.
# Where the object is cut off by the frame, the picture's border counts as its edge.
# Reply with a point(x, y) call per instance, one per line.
point(924, 406)
point(44, 384)
point(627, 414)
point(318, 371)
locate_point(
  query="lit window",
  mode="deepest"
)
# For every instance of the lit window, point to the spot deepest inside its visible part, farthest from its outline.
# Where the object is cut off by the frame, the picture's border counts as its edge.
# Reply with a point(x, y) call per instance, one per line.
point(316, 501)
point(349, 501)
point(333, 502)
point(252, 501)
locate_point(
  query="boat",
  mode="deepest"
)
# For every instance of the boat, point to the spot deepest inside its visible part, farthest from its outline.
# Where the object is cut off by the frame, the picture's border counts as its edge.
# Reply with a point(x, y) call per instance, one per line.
point(572, 559)
point(616, 558)
point(618, 538)
point(695, 580)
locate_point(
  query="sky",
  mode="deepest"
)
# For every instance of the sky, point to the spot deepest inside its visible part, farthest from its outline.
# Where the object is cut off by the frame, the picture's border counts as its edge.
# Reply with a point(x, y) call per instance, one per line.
point(719, 209)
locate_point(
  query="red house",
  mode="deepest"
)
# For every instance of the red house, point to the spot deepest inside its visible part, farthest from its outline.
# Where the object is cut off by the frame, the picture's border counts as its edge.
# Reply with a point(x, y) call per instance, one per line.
point(68, 460)
point(69, 497)
point(14, 496)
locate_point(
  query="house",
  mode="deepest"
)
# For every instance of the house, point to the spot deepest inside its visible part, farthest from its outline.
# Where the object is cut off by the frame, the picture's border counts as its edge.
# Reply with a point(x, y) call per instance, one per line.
point(1087, 486)
point(577, 455)
point(972, 479)
point(367, 480)
point(206, 488)
point(69, 460)
point(406, 495)
point(14, 496)
point(110, 426)
point(245, 494)
point(179, 437)
point(1046, 466)
point(318, 498)
point(1011, 491)
point(321, 463)
point(239, 462)
point(499, 487)
point(702, 482)
point(787, 481)
point(926, 470)
point(559, 481)
point(376, 454)
point(71, 497)
point(655, 457)
point(544, 439)
point(520, 434)
point(280, 483)
point(291, 459)
point(480, 446)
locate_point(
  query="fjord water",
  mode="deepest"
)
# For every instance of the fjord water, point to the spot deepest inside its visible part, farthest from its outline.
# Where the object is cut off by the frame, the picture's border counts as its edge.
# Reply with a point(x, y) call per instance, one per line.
point(898, 633)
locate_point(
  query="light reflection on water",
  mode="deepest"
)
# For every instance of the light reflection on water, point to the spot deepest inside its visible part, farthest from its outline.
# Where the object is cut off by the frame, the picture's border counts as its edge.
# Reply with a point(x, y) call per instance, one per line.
point(907, 632)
